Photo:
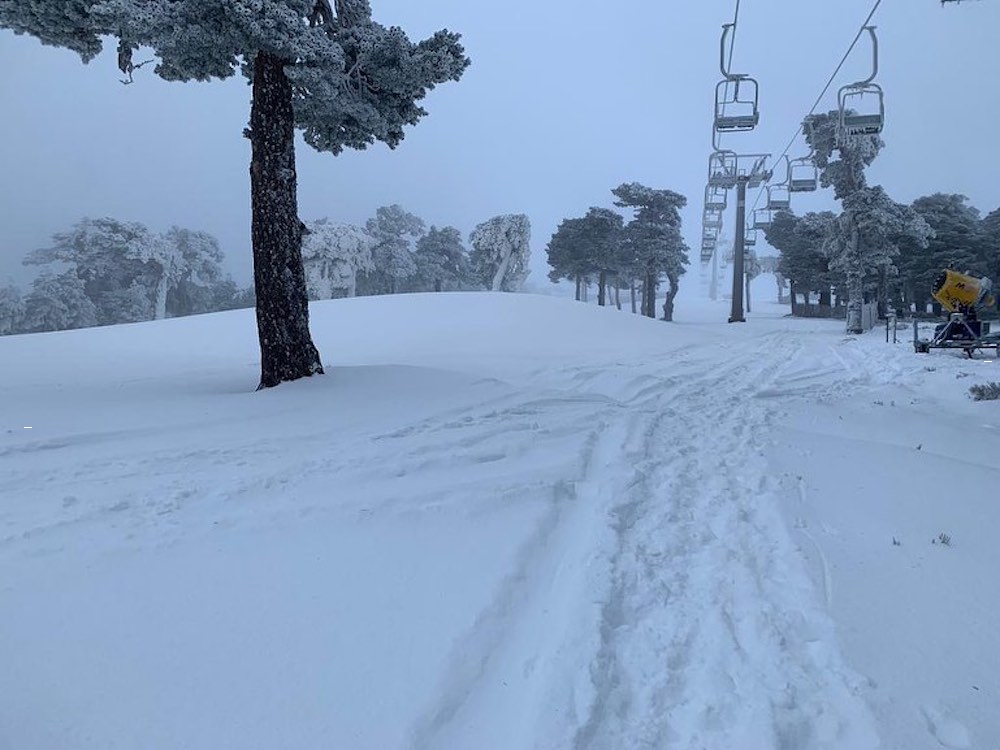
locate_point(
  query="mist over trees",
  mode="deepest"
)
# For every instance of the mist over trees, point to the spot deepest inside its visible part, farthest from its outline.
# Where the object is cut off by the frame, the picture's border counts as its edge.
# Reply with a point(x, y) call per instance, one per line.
point(105, 271)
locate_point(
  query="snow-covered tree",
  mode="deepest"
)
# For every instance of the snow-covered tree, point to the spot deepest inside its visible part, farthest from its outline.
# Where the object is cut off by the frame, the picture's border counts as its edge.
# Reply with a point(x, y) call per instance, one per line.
point(394, 230)
point(566, 253)
point(334, 254)
point(326, 68)
point(842, 162)
point(58, 302)
point(654, 242)
point(990, 227)
point(197, 271)
point(501, 248)
point(803, 262)
point(11, 309)
point(442, 263)
point(590, 245)
point(959, 241)
point(111, 256)
point(864, 243)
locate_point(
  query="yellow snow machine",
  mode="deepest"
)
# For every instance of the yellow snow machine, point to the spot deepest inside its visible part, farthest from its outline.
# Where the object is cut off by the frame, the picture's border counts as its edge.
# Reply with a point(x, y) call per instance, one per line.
point(963, 296)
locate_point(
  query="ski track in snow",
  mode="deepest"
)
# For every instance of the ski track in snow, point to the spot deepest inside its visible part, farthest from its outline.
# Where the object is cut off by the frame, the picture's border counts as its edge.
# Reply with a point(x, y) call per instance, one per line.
point(659, 562)
point(671, 568)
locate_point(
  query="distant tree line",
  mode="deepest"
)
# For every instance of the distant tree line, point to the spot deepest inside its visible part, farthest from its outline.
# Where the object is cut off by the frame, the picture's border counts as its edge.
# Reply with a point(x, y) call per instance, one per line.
point(394, 252)
point(634, 252)
point(959, 237)
point(106, 271)
point(876, 249)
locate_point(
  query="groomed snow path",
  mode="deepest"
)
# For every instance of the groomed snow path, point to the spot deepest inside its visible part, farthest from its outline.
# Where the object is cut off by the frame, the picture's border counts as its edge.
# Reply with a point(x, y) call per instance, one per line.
point(500, 521)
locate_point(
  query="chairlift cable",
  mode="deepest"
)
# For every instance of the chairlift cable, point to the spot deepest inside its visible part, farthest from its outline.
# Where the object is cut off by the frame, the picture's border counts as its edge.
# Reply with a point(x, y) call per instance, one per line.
point(826, 88)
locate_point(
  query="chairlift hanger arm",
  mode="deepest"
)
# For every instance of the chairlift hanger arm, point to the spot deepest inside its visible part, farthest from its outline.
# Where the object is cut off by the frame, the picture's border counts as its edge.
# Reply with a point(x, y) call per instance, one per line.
point(869, 79)
point(726, 73)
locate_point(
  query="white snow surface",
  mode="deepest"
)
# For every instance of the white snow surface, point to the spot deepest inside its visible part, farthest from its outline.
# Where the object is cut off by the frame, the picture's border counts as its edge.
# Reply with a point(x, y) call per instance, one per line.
point(499, 521)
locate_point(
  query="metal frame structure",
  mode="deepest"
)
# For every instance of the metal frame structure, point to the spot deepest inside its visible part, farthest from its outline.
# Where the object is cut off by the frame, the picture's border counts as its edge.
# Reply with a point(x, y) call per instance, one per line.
point(958, 333)
point(779, 197)
point(852, 121)
point(762, 218)
point(803, 175)
point(716, 198)
point(747, 108)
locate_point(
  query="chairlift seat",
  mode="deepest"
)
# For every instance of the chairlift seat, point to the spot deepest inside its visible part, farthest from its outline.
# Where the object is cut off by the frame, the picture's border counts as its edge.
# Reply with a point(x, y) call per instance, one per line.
point(730, 123)
point(802, 185)
point(863, 124)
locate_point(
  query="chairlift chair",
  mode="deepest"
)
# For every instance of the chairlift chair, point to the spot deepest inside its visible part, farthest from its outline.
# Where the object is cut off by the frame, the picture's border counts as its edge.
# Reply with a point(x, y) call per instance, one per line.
point(722, 169)
point(712, 218)
point(715, 198)
point(862, 109)
point(750, 237)
point(707, 250)
point(762, 218)
point(736, 105)
point(862, 104)
point(803, 175)
point(779, 198)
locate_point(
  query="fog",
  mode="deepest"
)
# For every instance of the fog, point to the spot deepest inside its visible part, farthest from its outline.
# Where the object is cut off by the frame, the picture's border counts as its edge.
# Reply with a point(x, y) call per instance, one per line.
point(563, 101)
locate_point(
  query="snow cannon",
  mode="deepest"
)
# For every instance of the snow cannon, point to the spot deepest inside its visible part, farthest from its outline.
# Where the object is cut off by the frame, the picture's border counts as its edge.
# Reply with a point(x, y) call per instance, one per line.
point(959, 292)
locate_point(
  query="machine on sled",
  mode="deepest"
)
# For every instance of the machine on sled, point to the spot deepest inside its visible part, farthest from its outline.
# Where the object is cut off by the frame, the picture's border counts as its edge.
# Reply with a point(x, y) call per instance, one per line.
point(962, 296)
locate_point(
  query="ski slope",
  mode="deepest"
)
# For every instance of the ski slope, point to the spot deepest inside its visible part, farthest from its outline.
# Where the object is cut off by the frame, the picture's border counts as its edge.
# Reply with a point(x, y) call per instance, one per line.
point(499, 521)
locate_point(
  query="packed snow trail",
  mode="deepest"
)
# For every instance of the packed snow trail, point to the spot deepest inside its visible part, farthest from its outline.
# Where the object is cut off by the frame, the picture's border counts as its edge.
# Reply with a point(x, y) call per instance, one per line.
point(666, 561)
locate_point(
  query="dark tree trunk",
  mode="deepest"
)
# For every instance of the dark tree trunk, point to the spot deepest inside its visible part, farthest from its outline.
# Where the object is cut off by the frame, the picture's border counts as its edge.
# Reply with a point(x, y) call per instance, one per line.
point(618, 293)
point(668, 303)
point(631, 289)
point(286, 348)
point(824, 297)
point(602, 288)
point(578, 286)
point(437, 285)
point(746, 294)
point(649, 295)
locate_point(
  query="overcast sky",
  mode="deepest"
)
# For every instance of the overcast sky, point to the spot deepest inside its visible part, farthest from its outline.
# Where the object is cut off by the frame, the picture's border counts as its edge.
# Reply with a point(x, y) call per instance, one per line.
point(564, 100)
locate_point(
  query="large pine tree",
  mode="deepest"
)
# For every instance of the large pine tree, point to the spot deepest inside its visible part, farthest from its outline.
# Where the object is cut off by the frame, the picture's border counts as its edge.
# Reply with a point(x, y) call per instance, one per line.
point(330, 70)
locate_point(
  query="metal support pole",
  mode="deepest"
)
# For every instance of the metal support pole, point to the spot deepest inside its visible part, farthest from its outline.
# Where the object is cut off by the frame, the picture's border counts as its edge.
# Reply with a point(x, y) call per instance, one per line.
point(736, 315)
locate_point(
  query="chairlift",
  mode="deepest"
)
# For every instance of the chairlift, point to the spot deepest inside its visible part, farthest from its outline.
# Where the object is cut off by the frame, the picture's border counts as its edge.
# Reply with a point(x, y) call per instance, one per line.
point(779, 198)
point(712, 218)
point(707, 250)
point(862, 110)
point(736, 95)
point(750, 237)
point(722, 169)
point(709, 234)
point(715, 198)
point(762, 218)
point(803, 175)
point(736, 105)
point(862, 105)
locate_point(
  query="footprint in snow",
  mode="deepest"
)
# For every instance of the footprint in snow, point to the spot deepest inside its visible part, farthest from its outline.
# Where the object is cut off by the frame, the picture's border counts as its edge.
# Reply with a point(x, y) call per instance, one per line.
point(949, 732)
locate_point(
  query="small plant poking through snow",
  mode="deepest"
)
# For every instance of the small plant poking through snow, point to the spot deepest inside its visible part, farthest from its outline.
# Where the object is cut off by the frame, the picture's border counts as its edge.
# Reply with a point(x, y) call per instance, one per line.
point(942, 538)
point(985, 392)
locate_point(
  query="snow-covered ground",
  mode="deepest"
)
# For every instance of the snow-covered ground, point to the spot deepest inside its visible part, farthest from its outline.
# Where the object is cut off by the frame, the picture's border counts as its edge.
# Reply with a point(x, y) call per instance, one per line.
point(499, 521)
